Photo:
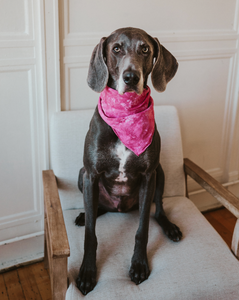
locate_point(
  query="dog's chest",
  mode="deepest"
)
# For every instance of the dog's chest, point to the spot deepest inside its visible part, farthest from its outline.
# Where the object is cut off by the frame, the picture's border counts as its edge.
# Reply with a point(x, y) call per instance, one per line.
point(122, 154)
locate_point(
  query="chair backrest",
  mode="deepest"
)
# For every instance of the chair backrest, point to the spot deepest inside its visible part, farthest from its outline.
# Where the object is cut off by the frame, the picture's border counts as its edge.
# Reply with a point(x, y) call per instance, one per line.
point(67, 135)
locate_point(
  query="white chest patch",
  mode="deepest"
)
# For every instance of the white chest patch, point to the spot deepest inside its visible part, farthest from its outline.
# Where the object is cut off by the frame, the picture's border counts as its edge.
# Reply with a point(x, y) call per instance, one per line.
point(123, 153)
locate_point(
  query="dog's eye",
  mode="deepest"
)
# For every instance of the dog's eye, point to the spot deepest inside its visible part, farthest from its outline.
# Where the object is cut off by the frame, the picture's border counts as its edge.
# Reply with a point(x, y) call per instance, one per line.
point(116, 49)
point(145, 50)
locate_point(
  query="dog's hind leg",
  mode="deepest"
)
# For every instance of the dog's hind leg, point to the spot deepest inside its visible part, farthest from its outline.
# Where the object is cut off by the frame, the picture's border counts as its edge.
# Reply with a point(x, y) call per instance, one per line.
point(170, 229)
point(80, 179)
point(80, 219)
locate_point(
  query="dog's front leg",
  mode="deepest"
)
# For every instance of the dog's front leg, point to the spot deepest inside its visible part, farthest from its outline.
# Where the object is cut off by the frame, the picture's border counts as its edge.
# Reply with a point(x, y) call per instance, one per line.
point(139, 270)
point(170, 229)
point(86, 280)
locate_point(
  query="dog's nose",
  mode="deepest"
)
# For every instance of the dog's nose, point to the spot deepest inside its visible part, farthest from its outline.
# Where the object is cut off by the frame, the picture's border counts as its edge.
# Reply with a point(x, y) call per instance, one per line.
point(130, 77)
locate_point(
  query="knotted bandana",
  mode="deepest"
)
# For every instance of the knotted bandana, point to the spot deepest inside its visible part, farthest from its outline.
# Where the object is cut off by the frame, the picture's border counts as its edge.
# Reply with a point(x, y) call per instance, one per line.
point(130, 115)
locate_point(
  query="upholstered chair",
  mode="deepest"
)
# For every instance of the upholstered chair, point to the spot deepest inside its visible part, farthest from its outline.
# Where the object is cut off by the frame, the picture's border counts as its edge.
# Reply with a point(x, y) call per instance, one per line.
point(200, 266)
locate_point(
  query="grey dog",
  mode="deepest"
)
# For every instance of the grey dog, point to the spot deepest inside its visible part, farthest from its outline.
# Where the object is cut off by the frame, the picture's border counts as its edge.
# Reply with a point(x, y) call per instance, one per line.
point(123, 62)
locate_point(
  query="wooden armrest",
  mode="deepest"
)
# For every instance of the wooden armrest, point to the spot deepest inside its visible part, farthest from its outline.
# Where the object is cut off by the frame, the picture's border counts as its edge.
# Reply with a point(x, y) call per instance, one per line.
point(58, 240)
point(216, 189)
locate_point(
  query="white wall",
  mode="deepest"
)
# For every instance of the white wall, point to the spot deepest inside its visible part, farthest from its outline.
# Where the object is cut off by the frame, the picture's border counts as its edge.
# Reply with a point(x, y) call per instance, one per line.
point(203, 35)
point(23, 130)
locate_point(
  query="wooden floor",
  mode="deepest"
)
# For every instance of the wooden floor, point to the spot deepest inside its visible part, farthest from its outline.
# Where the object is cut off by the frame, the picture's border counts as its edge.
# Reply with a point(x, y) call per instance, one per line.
point(224, 222)
point(32, 282)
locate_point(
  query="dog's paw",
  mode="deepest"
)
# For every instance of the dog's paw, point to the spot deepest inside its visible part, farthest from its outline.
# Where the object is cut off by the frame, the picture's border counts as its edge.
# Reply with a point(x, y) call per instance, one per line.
point(86, 279)
point(171, 230)
point(139, 271)
point(80, 220)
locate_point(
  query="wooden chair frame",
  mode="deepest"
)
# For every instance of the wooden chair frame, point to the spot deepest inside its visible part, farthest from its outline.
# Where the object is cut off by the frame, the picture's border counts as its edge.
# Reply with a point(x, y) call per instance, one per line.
point(57, 247)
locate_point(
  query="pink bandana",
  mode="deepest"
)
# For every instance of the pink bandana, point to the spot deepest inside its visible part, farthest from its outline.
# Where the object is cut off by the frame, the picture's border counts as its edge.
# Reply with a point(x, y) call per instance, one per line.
point(131, 116)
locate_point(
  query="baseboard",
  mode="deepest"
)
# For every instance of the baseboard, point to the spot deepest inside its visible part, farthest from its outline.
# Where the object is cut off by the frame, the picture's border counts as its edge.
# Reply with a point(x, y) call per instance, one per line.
point(204, 201)
point(21, 252)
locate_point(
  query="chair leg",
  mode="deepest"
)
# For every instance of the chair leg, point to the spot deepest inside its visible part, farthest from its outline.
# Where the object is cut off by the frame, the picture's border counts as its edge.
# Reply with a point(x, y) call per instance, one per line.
point(57, 270)
point(59, 278)
point(186, 185)
point(235, 240)
point(46, 262)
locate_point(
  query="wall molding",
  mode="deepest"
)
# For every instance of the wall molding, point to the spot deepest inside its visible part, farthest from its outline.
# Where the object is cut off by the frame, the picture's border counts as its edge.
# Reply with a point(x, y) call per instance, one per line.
point(30, 219)
point(28, 32)
point(206, 51)
point(22, 252)
point(83, 60)
point(230, 116)
point(13, 35)
point(22, 238)
point(233, 176)
point(204, 54)
point(92, 39)
point(28, 66)
point(20, 219)
point(17, 44)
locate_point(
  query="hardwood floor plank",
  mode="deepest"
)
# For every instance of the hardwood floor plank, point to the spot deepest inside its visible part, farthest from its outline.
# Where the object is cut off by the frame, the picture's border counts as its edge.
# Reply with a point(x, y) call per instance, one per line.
point(42, 279)
point(28, 282)
point(14, 288)
point(219, 228)
point(226, 218)
point(3, 290)
point(221, 225)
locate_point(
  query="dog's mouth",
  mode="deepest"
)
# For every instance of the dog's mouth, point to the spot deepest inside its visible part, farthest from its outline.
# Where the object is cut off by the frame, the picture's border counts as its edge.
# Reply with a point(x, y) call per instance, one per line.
point(132, 90)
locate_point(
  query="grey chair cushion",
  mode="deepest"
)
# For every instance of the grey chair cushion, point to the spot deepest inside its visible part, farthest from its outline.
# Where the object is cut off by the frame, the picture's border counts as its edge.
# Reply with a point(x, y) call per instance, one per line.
point(67, 135)
point(200, 266)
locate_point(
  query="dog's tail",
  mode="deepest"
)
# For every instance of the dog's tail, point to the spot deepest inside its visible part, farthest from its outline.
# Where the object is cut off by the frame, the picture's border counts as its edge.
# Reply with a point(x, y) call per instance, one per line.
point(80, 179)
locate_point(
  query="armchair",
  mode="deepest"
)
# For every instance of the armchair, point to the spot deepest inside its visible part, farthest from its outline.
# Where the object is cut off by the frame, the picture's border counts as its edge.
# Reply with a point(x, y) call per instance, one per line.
point(200, 266)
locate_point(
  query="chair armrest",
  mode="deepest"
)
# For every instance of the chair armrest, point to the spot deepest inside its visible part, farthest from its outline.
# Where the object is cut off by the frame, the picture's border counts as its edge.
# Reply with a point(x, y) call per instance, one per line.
point(215, 188)
point(58, 240)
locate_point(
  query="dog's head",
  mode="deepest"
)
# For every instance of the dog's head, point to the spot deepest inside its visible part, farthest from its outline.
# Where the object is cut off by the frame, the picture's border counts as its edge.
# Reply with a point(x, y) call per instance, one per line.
point(124, 60)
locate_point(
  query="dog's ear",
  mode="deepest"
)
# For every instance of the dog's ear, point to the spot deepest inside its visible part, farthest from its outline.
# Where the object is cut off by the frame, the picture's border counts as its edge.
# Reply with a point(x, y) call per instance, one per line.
point(98, 72)
point(165, 67)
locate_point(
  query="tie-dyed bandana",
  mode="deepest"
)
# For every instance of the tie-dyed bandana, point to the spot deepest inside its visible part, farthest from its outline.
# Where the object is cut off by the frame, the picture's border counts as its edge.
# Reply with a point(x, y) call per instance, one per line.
point(131, 116)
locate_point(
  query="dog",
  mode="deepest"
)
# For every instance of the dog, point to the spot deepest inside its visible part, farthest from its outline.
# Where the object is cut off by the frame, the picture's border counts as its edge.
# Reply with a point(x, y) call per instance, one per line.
point(114, 178)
